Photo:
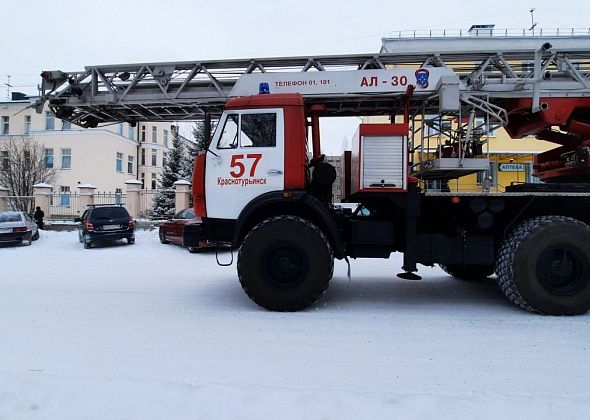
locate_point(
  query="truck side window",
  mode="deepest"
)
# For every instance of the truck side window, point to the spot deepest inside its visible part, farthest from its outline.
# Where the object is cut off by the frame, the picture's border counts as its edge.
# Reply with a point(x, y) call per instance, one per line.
point(229, 136)
point(259, 130)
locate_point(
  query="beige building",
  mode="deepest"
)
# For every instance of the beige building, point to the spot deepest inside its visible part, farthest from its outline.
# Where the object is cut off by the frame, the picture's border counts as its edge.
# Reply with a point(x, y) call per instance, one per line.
point(104, 157)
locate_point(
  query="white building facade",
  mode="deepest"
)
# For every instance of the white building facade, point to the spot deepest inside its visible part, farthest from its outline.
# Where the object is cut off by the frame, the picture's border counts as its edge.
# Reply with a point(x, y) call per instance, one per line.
point(105, 157)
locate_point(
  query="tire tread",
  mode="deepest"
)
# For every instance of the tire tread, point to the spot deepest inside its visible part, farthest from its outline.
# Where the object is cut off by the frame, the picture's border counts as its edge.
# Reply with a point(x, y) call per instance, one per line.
point(510, 245)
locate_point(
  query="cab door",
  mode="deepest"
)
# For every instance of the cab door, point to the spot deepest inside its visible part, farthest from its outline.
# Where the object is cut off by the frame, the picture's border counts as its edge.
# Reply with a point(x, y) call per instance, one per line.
point(247, 160)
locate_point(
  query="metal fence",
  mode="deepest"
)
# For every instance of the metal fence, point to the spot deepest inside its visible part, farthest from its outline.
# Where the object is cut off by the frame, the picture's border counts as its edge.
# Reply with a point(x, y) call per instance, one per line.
point(110, 198)
point(64, 206)
point(489, 32)
point(147, 200)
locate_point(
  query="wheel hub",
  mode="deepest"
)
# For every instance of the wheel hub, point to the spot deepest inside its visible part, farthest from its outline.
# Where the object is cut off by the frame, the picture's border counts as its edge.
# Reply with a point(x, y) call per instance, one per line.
point(285, 267)
point(560, 270)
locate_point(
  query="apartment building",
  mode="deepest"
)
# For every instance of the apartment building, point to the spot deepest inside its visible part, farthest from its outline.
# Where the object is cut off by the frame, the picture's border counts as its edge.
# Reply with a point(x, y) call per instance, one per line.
point(105, 157)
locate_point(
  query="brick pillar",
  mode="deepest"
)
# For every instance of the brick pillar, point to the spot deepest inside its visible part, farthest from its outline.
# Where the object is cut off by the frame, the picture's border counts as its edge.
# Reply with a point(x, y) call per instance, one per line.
point(133, 187)
point(3, 199)
point(42, 197)
point(86, 196)
point(182, 195)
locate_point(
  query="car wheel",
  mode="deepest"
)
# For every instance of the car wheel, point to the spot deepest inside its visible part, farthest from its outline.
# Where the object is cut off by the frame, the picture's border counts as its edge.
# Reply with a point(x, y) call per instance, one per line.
point(130, 241)
point(28, 239)
point(193, 250)
point(87, 243)
point(36, 235)
point(163, 236)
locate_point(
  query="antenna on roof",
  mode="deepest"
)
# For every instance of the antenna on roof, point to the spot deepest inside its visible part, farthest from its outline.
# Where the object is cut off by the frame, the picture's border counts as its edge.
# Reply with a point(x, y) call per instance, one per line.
point(533, 23)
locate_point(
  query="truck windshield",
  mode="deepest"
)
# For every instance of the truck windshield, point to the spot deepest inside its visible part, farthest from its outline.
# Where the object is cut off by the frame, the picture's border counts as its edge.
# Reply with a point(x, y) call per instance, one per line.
point(229, 135)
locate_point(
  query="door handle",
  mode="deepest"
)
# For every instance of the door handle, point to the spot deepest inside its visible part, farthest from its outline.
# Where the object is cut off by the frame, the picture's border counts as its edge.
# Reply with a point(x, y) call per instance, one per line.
point(275, 172)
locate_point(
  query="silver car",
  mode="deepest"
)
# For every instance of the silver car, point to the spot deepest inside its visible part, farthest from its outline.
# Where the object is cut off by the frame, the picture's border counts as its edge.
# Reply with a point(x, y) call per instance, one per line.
point(17, 227)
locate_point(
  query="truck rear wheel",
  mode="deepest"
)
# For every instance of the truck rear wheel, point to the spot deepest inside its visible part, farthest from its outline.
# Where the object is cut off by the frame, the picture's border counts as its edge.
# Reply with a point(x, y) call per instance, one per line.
point(468, 272)
point(285, 263)
point(544, 266)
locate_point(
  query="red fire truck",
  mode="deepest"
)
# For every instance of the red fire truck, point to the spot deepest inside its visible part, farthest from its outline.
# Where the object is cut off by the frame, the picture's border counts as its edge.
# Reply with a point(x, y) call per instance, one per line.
point(264, 188)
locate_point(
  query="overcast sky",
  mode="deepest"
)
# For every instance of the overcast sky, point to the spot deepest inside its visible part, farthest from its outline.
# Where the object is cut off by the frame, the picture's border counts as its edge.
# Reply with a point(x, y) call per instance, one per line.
point(69, 35)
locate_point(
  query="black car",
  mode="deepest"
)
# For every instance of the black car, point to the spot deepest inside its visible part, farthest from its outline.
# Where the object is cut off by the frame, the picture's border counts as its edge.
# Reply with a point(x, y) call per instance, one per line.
point(101, 223)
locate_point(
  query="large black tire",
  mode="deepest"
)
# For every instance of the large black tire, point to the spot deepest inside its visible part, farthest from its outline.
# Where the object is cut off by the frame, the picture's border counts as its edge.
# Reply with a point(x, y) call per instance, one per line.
point(36, 235)
point(544, 266)
point(468, 272)
point(162, 236)
point(285, 263)
point(87, 242)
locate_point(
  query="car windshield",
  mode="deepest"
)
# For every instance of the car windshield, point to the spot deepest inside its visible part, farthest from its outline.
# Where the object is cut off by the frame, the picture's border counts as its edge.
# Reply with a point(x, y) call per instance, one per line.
point(109, 213)
point(10, 217)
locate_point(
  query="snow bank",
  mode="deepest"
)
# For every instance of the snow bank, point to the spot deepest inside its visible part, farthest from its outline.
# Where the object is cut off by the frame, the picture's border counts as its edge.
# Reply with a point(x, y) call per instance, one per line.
point(150, 331)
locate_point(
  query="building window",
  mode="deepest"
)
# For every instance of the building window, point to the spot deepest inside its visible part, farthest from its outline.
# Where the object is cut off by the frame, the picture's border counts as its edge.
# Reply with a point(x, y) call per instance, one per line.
point(66, 125)
point(142, 179)
point(165, 136)
point(48, 155)
point(164, 159)
point(66, 158)
point(4, 162)
point(154, 157)
point(131, 133)
point(49, 120)
point(5, 125)
point(129, 164)
point(143, 133)
point(154, 182)
point(120, 129)
point(27, 124)
point(119, 162)
point(143, 156)
point(64, 196)
point(154, 134)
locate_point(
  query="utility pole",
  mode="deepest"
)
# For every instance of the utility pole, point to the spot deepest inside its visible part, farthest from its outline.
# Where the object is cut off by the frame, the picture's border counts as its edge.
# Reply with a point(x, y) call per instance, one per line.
point(8, 86)
point(533, 23)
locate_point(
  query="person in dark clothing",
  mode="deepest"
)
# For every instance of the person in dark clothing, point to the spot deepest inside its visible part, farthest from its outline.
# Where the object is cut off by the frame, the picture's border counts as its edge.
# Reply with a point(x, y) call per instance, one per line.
point(38, 216)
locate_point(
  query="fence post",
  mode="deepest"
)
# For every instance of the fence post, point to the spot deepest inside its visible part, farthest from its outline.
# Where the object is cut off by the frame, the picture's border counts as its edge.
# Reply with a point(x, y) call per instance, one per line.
point(42, 195)
point(86, 196)
point(181, 195)
point(132, 202)
point(3, 199)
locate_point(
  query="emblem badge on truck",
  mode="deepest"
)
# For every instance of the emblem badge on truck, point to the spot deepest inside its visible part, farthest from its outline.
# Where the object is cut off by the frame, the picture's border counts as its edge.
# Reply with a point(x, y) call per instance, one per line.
point(422, 77)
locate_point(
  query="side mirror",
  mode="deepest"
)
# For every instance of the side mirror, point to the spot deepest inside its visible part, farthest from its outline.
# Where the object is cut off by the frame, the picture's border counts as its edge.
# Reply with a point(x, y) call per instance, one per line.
point(78, 219)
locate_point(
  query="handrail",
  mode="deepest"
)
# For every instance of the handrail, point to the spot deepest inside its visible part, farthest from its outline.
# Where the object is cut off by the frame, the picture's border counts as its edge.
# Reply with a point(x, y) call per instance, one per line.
point(488, 32)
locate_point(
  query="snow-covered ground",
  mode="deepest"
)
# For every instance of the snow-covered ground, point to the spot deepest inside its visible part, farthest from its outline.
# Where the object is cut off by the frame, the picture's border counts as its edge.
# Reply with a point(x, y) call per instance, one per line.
point(150, 331)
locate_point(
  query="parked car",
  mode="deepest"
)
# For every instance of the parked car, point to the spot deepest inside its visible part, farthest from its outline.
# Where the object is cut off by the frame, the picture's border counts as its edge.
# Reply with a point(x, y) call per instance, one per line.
point(173, 230)
point(102, 223)
point(17, 227)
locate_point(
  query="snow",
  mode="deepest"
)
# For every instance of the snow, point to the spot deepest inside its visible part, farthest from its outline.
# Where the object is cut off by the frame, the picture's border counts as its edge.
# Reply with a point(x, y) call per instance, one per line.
point(150, 331)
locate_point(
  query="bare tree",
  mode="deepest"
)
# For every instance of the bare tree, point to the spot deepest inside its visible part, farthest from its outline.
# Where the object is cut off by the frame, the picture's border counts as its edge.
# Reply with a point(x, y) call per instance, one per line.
point(22, 165)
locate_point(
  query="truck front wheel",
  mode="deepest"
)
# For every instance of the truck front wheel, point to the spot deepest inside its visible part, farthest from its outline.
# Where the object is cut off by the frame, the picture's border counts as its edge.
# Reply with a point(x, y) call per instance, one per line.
point(544, 266)
point(285, 263)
